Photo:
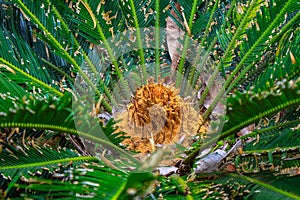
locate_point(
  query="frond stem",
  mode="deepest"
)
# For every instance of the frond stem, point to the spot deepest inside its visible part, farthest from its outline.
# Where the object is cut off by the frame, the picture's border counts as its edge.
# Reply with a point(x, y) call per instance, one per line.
point(264, 185)
point(139, 40)
point(231, 45)
point(57, 45)
point(186, 44)
point(229, 84)
point(69, 131)
point(275, 127)
point(157, 41)
point(35, 80)
point(51, 162)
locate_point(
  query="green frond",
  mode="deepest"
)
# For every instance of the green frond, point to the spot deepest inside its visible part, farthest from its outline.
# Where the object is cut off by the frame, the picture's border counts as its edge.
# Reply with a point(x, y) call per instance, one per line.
point(228, 54)
point(186, 41)
point(22, 60)
point(270, 152)
point(255, 48)
point(10, 87)
point(131, 9)
point(160, 22)
point(66, 64)
point(50, 113)
point(200, 21)
point(136, 12)
point(263, 104)
point(30, 158)
point(273, 141)
point(283, 68)
point(37, 112)
point(71, 181)
point(273, 128)
point(86, 180)
point(32, 81)
point(15, 50)
point(175, 187)
point(289, 6)
point(48, 34)
point(255, 187)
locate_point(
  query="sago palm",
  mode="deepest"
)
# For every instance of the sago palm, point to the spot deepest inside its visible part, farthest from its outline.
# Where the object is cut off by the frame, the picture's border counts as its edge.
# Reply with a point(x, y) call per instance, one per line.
point(149, 99)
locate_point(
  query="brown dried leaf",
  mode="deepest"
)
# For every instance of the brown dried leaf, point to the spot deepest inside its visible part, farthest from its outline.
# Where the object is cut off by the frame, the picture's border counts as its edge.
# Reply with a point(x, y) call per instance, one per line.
point(87, 7)
point(7, 68)
point(246, 130)
point(292, 58)
point(213, 92)
point(174, 33)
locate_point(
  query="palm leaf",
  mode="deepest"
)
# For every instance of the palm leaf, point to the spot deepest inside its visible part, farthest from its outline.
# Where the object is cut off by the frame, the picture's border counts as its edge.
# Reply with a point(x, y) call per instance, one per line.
point(288, 93)
point(254, 188)
point(256, 47)
point(94, 42)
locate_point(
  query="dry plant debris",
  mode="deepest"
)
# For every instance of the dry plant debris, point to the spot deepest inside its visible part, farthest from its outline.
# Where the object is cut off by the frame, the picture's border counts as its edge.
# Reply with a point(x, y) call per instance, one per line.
point(158, 116)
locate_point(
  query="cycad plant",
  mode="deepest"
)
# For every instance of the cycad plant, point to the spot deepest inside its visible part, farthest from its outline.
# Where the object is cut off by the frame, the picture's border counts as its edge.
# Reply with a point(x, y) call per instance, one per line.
point(149, 99)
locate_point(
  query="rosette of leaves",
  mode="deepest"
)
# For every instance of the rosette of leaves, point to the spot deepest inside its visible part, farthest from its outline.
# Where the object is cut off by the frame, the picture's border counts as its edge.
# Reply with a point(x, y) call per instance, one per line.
point(44, 46)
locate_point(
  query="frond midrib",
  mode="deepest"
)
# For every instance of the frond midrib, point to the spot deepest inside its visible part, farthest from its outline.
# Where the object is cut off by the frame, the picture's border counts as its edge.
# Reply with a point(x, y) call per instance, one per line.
point(277, 108)
point(69, 131)
point(50, 162)
point(265, 185)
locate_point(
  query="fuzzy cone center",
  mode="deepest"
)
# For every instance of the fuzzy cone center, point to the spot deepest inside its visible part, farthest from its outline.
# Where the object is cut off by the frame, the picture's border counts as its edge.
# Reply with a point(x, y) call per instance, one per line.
point(157, 116)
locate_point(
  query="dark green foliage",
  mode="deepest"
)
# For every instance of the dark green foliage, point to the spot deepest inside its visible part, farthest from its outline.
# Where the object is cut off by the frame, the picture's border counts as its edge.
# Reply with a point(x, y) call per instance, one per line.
point(54, 85)
point(272, 101)
point(261, 187)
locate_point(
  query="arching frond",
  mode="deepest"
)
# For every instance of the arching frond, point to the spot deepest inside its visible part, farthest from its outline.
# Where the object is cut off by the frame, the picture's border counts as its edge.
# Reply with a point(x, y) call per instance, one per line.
point(69, 69)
